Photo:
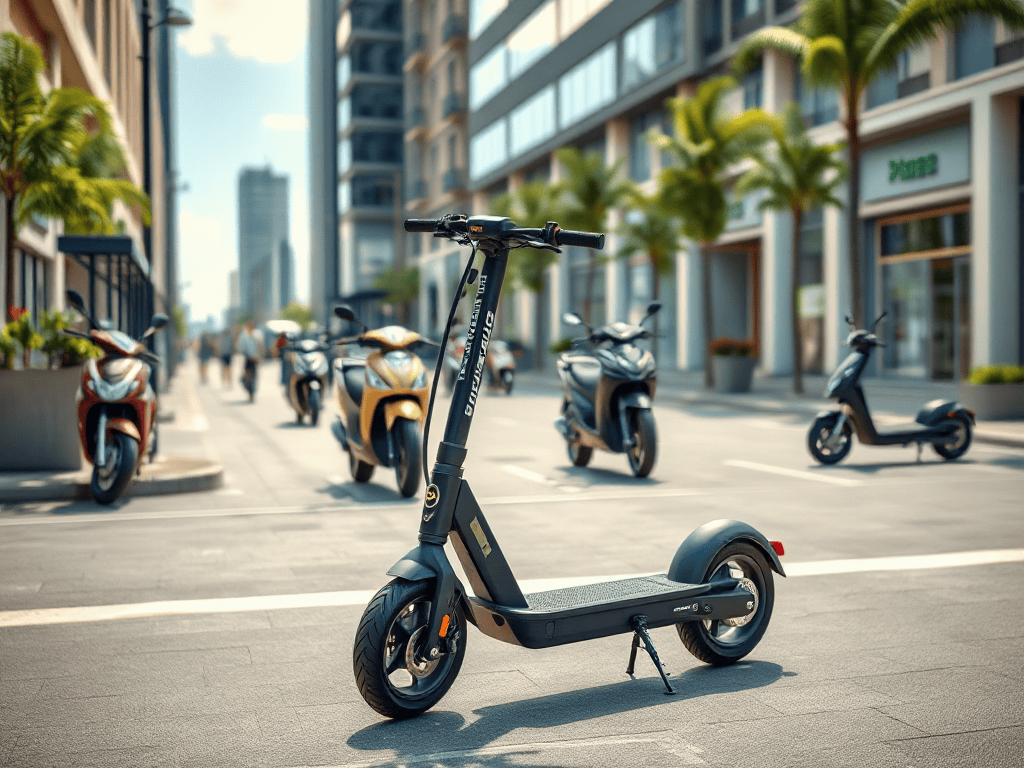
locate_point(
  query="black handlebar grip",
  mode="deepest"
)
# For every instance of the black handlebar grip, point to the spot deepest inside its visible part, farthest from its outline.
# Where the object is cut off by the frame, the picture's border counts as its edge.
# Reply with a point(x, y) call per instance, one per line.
point(420, 225)
point(582, 239)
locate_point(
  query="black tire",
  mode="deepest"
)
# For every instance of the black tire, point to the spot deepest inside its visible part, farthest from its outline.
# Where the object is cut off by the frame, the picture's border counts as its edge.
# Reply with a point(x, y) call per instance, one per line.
point(396, 616)
point(960, 443)
point(507, 380)
point(361, 471)
point(109, 482)
point(406, 435)
point(298, 417)
point(718, 642)
point(644, 452)
point(579, 455)
point(820, 430)
point(314, 406)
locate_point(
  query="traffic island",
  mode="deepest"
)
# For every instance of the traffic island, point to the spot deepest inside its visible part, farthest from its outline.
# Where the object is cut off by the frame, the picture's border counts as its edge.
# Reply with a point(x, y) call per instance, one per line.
point(166, 475)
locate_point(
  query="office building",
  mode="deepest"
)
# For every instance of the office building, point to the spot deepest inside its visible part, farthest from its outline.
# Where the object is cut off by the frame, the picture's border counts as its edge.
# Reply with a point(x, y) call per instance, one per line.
point(941, 179)
point(264, 256)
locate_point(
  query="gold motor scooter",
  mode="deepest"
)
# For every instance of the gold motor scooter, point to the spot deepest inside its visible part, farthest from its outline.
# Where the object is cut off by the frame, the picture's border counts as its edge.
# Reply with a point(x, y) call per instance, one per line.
point(383, 399)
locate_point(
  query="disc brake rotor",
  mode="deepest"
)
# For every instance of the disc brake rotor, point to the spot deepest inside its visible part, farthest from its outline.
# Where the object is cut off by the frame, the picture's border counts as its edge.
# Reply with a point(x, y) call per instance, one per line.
point(740, 621)
point(417, 668)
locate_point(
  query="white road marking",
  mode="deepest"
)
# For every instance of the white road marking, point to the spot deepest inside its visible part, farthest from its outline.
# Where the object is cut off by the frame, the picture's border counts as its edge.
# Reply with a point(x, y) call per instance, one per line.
point(44, 616)
point(505, 421)
point(527, 474)
point(228, 492)
point(803, 475)
point(992, 470)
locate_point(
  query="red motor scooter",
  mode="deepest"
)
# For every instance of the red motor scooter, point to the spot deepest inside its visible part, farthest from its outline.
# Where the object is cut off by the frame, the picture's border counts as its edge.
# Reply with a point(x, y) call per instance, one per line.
point(116, 404)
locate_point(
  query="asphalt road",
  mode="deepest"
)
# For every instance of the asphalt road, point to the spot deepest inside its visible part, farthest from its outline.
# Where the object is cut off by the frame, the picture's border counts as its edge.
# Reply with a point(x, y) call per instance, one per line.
point(877, 653)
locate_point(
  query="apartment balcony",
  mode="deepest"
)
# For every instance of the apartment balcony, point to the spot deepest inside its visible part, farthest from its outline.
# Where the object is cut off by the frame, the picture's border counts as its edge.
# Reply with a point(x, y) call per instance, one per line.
point(454, 180)
point(415, 124)
point(453, 107)
point(416, 193)
point(415, 52)
point(454, 30)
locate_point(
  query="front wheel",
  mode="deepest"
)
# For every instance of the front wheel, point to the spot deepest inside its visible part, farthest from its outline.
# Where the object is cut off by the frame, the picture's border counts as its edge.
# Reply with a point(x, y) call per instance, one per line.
point(729, 640)
point(823, 447)
point(110, 480)
point(644, 450)
point(406, 435)
point(959, 440)
point(507, 380)
point(390, 672)
point(314, 406)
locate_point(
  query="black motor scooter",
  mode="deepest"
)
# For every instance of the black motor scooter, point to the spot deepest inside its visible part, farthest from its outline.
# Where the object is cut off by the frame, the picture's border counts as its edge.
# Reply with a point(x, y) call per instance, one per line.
point(411, 640)
point(609, 394)
point(944, 424)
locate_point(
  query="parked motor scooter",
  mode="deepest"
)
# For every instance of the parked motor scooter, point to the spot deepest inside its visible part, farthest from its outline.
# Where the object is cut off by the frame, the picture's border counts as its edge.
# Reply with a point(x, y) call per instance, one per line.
point(501, 366)
point(609, 395)
point(307, 383)
point(383, 398)
point(944, 424)
point(116, 404)
point(411, 639)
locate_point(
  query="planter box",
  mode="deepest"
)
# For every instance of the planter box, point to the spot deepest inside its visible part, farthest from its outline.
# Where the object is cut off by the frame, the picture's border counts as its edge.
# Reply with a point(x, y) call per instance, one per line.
point(38, 420)
point(994, 401)
point(732, 373)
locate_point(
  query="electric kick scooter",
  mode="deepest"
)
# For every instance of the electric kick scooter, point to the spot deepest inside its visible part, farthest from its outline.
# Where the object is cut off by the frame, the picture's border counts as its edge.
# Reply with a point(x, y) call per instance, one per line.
point(944, 424)
point(411, 640)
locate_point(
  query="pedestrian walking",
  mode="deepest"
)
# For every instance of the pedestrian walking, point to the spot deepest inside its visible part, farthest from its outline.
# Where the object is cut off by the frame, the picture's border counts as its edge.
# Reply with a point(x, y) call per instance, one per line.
point(205, 353)
point(226, 345)
point(250, 346)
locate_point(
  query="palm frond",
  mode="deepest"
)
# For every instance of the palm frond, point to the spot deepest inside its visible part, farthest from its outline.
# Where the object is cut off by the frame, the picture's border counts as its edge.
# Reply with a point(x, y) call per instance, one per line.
point(780, 39)
point(826, 63)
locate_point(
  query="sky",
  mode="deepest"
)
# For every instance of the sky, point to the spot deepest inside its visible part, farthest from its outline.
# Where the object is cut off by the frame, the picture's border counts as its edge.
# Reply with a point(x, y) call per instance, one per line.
point(241, 102)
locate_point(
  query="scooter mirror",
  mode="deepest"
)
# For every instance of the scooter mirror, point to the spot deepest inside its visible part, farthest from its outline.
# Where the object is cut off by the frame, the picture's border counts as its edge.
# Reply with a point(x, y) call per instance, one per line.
point(159, 321)
point(653, 308)
point(571, 318)
point(75, 300)
point(345, 312)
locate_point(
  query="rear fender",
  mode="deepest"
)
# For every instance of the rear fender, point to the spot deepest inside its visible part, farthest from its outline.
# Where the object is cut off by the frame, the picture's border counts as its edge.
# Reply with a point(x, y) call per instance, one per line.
point(695, 554)
point(937, 411)
point(424, 563)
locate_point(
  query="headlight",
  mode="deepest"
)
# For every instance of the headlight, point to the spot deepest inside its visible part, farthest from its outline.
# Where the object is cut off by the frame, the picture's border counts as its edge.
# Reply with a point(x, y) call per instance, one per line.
point(318, 363)
point(421, 380)
point(374, 380)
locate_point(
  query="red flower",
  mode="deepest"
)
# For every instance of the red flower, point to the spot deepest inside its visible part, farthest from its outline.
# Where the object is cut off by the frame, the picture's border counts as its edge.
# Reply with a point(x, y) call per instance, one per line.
point(16, 313)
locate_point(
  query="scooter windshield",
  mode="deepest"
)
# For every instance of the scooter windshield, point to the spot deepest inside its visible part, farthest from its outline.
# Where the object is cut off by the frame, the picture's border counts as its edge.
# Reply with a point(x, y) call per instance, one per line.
point(846, 375)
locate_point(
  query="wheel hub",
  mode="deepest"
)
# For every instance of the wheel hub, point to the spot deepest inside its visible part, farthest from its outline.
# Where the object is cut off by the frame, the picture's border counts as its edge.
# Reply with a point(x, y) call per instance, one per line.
point(740, 621)
point(418, 668)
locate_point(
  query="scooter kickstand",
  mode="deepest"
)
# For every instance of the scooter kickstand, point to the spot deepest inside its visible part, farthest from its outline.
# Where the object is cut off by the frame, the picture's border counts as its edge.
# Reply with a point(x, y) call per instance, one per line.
point(639, 624)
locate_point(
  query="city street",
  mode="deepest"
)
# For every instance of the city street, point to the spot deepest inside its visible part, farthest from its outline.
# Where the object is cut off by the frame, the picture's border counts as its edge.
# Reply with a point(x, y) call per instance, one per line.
point(216, 629)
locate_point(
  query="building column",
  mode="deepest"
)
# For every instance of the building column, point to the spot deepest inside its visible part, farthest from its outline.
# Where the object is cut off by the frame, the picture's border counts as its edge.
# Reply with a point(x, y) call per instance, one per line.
point(835, 268)
point(616, 274)
point(995, 255)
point(777, 294)
point(690, 344)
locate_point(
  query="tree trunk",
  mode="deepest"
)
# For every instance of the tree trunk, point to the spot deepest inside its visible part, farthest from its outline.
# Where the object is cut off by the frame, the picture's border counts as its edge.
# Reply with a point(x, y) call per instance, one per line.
point(9, 256)
point(798, 363)
point(588, 300)
point(853, 207)
point(709, 379)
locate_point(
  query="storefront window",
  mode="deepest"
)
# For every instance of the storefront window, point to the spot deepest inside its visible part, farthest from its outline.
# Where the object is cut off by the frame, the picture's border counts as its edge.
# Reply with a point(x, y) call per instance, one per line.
point(928, 234)
point(905, 286)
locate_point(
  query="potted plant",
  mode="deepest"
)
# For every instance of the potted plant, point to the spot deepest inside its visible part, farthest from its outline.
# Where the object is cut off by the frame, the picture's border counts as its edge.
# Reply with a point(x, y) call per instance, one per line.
point(994, 391)
point(732, 362)
point(39, 404)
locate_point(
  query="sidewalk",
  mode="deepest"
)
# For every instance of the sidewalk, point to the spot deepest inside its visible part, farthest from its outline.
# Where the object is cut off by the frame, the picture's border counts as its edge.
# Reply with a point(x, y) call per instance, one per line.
point(182, 464)
point(891, 400)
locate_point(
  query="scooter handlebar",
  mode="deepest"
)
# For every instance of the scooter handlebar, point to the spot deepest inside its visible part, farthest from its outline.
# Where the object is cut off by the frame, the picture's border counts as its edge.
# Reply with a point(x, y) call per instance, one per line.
point(581, 239)
point(420, 225)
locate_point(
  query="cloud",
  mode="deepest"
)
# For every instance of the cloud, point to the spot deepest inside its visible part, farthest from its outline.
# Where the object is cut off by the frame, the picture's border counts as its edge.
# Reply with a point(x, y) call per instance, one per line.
point(265, 30)
point(285, 122)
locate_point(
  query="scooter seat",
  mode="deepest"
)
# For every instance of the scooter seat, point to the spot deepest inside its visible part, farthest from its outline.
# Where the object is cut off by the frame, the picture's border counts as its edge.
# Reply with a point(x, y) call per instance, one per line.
point(355, 379)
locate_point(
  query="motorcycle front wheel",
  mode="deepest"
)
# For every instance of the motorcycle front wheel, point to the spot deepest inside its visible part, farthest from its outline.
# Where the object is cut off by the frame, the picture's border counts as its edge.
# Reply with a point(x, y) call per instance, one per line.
point(386, 659)
point(314, 406)
point(109, 481)
point(817, 440)
point(644, 450)
point(507, 380)
point(406, 435)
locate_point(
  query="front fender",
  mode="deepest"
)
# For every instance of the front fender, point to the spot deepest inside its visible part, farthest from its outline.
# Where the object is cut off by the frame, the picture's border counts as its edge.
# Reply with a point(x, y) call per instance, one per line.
point(401, 409)
point(422, 564)
point(695, 554)
point(635, 399)
point(127, 426)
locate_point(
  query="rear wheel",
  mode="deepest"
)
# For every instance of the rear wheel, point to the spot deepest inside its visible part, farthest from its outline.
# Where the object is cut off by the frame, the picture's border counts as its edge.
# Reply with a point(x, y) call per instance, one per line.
point(406, 435)
point(820, 443)
point(729, 640)
point(110, 480)
point(644, 450)
point(314, 406)
point(959, 440)
point(361, 471)
point(390, 672)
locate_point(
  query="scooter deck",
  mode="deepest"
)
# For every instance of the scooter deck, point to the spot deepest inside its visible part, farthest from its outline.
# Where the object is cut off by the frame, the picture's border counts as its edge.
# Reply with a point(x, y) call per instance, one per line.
point(589, 611)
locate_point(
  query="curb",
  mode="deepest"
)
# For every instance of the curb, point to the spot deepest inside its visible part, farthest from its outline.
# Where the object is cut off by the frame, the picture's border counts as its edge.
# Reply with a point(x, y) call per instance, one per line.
point(754, 405)
point(206, 476)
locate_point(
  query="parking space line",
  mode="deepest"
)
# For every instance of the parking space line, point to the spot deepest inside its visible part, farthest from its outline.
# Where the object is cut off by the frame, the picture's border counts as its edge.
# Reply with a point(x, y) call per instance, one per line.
point(801, 474)
point(527, 474)
point(94, 613)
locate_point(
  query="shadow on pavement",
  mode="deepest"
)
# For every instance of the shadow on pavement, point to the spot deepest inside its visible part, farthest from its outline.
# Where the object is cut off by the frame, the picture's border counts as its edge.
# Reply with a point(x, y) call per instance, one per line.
point(366, 492)
point(599, 476)
point(443, 733)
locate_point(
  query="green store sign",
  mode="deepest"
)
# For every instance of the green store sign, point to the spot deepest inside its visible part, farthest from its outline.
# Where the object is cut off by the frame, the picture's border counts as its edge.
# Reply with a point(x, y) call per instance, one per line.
point(905, 170)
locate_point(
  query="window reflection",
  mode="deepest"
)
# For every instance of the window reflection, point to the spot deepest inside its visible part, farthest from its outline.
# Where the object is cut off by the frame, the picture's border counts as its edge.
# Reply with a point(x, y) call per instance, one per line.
point(587, 87)
point(651, 45)
point(533, 121)
point(531, 39)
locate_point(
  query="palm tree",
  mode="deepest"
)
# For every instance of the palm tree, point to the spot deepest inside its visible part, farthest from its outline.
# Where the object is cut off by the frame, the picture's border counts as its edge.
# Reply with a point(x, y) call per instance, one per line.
point(651, 230)
point(799, 176)
point(705, 143)
point(532, 205)
point(844, 45)
point(591, 189)
point(51, 163)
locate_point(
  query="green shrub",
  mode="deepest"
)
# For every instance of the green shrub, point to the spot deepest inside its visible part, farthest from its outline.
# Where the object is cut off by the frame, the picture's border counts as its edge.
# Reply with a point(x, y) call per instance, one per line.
point(564, 345)
point(724, 347)
point(996, 374)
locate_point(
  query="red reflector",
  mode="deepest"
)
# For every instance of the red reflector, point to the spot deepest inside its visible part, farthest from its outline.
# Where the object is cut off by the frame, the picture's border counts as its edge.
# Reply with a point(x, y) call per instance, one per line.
point(777, 546)
point(444, 626)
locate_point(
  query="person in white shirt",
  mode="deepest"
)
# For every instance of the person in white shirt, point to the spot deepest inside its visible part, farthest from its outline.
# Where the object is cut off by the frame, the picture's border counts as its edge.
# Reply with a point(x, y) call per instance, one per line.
point(250, 347)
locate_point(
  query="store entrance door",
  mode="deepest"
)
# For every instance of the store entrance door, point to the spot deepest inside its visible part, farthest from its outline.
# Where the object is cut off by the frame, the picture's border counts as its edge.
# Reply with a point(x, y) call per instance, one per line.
point(950, 341)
